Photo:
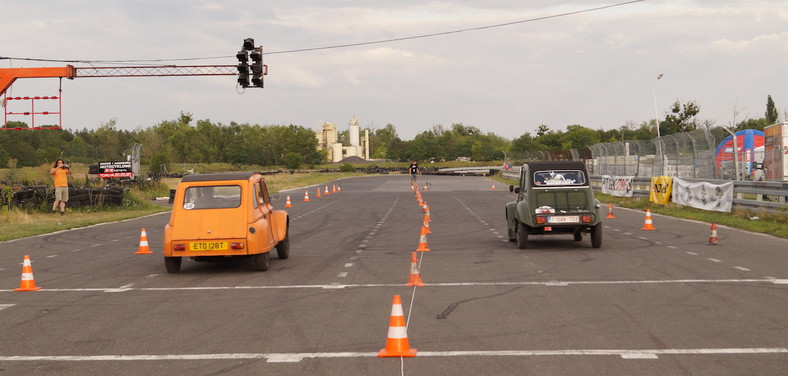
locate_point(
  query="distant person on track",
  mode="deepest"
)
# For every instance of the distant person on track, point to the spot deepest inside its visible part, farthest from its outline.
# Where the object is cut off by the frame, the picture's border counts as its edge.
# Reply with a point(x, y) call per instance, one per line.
point(414, 171)
point(60, 174)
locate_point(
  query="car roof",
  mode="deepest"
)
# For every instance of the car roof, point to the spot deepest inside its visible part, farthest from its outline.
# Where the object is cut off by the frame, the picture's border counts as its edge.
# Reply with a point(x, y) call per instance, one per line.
point(219, 176)
point(556, 165)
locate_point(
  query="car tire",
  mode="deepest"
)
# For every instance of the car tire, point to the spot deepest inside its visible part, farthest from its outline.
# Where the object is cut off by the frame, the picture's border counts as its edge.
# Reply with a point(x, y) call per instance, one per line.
point(261, 261)
point(283, 247)
point(522, 235)
point(596, 236)
point(173, 264)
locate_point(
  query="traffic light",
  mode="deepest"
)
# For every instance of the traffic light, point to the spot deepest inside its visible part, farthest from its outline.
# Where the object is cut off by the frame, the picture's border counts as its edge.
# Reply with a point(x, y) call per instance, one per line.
point(258, 69)
point(243, 68)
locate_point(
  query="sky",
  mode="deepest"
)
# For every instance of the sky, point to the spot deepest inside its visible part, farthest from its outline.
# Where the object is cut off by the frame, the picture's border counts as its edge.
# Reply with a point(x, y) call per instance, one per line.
point(554, 63)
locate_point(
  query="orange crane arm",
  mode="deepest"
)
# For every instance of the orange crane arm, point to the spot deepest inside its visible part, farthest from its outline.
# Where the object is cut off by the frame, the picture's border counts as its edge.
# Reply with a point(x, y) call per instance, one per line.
point(9, 75)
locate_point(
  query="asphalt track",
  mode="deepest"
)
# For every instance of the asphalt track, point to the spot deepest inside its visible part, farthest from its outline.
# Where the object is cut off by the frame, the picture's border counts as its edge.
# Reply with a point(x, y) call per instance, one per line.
point(660, 302)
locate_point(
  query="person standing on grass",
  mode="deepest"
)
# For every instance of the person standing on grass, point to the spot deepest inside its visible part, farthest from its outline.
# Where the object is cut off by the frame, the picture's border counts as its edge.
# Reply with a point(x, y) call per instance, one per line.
point(60, 174)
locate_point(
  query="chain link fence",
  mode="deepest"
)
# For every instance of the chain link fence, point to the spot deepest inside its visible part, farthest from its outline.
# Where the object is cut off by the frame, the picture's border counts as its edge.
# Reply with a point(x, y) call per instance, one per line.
point(684, 155)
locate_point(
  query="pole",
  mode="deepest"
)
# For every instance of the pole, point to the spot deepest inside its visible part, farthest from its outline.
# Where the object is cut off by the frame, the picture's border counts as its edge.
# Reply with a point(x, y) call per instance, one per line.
point(656, 118)
point(735, 152)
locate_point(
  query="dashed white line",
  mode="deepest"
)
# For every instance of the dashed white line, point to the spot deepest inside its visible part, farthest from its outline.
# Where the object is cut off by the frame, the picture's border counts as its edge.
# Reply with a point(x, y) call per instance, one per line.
point(741, 268)
point(342, 275)
point(349, 265)
point(714, 260)
point(4, 306)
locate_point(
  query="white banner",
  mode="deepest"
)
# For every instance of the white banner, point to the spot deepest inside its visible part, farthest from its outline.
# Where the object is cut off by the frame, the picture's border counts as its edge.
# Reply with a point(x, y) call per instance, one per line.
point(618, 185)
point(703, 195)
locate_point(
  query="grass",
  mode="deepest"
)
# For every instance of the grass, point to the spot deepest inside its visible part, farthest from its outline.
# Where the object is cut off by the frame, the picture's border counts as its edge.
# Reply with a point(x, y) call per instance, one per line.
point(18, 223)
point(766, 223)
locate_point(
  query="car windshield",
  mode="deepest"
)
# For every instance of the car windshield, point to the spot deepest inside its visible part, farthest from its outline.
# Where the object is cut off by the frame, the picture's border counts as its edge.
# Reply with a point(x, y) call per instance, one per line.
point(212, 197)
point(559, 178)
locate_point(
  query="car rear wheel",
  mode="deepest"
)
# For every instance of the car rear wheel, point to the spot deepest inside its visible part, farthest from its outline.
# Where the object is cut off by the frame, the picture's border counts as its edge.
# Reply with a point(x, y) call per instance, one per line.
point(283, 247)
point(596, 236)
point(261, 261)
point(522, 235)
point(173, 264)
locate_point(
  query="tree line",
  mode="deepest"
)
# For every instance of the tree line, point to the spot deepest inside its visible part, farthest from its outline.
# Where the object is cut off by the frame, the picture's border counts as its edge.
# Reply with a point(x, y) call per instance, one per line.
point(187, 141)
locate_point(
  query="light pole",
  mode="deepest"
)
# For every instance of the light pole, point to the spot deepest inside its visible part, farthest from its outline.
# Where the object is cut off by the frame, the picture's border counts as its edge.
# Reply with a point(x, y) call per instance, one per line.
point(656, 118)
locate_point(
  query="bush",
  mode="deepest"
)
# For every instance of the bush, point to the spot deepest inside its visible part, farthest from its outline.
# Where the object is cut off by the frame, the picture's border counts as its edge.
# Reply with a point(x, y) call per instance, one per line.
point(292, 161)
point(347, 167)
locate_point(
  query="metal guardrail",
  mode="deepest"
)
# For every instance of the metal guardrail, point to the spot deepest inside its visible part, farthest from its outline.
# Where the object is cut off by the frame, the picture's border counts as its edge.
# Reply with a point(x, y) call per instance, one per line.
point(770, 196)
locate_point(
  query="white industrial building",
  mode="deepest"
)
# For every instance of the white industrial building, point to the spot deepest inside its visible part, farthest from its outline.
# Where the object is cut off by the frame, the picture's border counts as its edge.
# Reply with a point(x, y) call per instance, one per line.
point(327, 139)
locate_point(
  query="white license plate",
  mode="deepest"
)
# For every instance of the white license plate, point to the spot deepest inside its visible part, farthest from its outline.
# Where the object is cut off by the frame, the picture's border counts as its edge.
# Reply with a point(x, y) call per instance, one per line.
point(564, 219)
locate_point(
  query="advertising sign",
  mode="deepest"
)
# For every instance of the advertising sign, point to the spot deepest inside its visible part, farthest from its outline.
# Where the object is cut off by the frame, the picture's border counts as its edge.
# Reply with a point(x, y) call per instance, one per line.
point(703, 195)
point(620, 186)
point(661, 189)
point(120, 169)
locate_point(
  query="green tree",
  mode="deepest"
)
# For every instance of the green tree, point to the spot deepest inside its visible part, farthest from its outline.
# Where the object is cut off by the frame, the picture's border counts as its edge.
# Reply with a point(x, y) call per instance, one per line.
point(772, 116)
point(680, 119)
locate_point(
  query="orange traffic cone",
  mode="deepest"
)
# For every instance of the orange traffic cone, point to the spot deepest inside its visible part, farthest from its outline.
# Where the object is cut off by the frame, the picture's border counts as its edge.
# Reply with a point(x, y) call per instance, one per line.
point(713, 237)
point(326, 193)
point(288, 204)
point(339, 188)
point(425, 228)
point(425, 208)
point(397, 340)
point(415, 275)
point(610, 210)
point(144, 249)
point(648, 225)
point(318, 192)
point(28, 283)
point(422, 244)
point(427, 217)
point(493, 187)
point(306, 196)
point(333, 188)
point(425, 187)
point(412, 188)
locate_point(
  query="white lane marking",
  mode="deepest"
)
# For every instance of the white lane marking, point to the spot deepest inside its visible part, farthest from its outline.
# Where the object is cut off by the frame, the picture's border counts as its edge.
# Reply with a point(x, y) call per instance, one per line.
point(349, 265)
point(51, 256)
point(741, 268)
point(297, 357)
point(96, 245)
point(691, 253)
point(4, 306)
point(642, 238)
point(673, 247)
point(453, 284)
point(342, 275)
point(714, 260)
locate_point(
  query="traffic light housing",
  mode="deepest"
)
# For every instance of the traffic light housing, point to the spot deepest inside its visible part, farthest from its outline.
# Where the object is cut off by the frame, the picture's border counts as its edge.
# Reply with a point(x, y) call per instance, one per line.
point(243, 68)
point(257, 70)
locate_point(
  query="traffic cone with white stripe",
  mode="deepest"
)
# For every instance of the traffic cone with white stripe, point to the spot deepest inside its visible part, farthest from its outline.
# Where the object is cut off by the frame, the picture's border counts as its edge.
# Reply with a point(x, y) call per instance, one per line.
point(423, 247)
point(713, 237)
point(610, 211)
point(648, 225)
point(326, 193)
point(28, 283)
point(415, 275)
point(425, 228)
point(318, 192)
point(306, 196)
point(288, 204)
point(333, 188)
point(143, 249)
point(397, 340)
point(339, 188)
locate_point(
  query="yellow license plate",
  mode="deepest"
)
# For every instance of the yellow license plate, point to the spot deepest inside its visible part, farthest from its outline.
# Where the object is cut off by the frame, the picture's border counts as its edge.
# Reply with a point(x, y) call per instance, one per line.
point(208, 246)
